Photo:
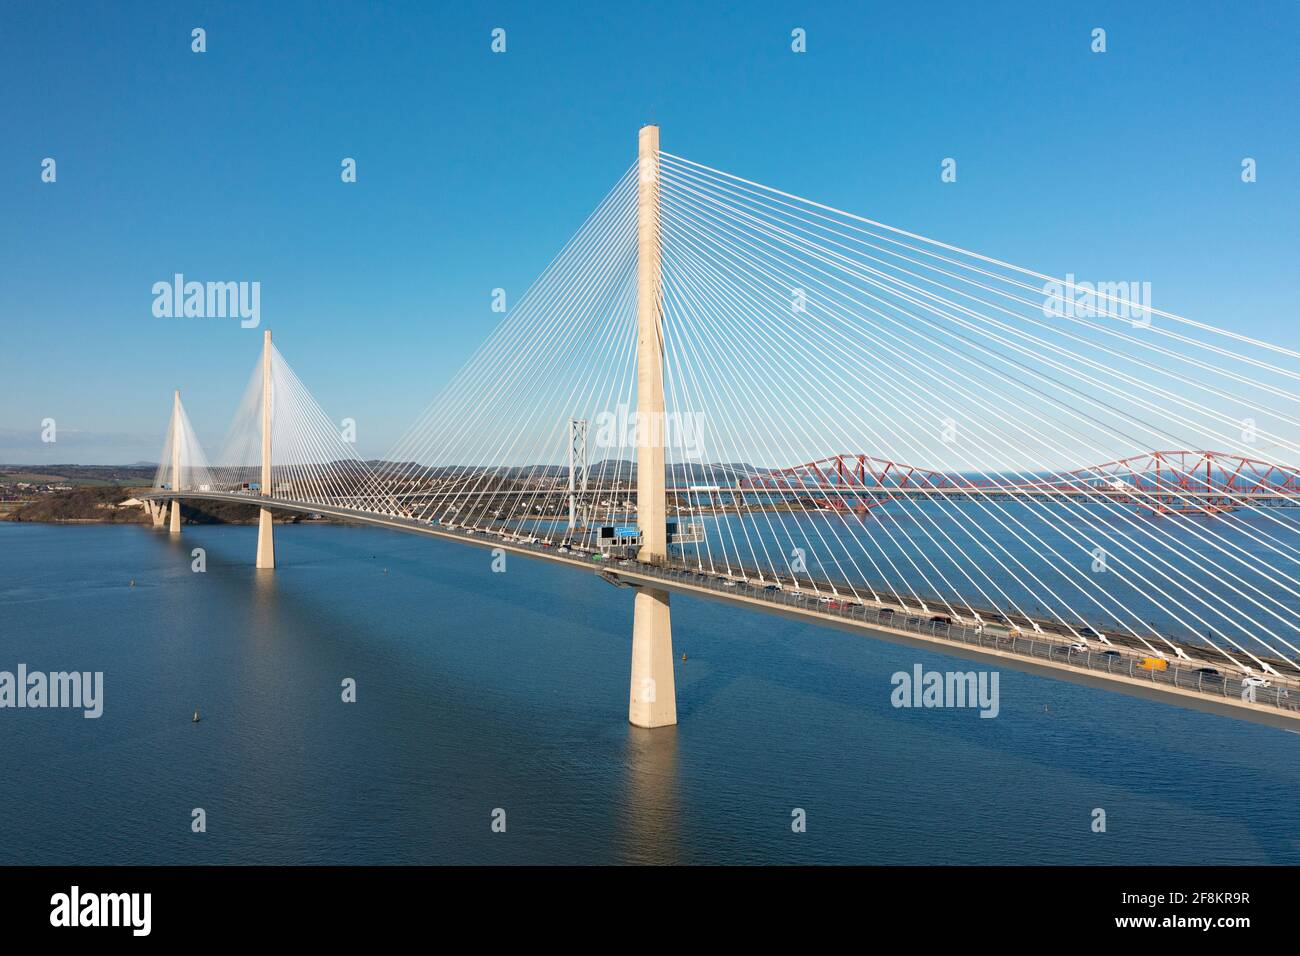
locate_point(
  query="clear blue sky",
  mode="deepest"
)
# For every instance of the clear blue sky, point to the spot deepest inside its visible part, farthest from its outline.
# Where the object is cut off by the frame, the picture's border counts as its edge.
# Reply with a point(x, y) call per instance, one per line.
point(473, 168)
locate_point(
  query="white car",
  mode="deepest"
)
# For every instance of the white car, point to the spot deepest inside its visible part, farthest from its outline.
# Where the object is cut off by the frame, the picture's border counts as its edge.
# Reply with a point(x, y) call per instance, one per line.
point(1079, 647)
point(1253, 681)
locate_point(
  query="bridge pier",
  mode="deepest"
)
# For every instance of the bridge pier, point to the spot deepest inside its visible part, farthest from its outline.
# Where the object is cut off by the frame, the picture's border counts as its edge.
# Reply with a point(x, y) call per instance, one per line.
point(176, 461)
point(653, 698)
point(265, 539)
point(265, 530)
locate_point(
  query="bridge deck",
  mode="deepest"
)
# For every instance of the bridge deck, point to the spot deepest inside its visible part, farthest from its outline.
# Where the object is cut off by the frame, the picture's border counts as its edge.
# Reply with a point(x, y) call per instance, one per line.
point(1044, 654)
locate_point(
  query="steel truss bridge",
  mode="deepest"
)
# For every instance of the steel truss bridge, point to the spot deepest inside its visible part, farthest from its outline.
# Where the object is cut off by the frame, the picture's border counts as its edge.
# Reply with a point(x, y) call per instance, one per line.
point(1159, 482)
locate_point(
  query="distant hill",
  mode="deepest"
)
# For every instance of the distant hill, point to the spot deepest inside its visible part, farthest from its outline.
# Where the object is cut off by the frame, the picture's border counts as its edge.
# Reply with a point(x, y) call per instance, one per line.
point(79, 474)
point(85, 503)
point(95, 503)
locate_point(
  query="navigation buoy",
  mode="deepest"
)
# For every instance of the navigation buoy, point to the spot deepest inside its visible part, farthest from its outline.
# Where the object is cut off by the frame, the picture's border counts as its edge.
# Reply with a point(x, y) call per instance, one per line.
point(683, 655)
point(195, 718)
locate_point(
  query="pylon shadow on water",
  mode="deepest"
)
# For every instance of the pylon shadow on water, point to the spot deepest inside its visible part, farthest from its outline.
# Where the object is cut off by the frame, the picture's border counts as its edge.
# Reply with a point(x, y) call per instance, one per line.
point(652, 810)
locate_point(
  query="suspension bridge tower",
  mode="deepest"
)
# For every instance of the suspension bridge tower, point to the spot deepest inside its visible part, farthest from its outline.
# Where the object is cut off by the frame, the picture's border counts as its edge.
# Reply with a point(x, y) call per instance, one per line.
point(265, 534)
point(653, 697)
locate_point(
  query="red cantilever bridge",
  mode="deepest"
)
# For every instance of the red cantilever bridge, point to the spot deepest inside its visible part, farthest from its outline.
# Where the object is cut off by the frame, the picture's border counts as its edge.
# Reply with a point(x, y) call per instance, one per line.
point(1160, 482)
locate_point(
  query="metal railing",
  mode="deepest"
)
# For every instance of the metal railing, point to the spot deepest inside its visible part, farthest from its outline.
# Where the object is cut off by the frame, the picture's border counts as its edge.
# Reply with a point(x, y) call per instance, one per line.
point(1185, 675)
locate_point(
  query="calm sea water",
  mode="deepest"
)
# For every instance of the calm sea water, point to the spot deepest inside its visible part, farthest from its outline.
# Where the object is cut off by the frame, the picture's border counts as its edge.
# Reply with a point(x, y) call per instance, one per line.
point(479, 690)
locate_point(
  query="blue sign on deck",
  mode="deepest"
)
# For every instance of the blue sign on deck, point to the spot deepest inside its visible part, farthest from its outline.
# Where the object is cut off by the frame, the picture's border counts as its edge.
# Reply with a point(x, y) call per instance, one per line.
point(627, 531)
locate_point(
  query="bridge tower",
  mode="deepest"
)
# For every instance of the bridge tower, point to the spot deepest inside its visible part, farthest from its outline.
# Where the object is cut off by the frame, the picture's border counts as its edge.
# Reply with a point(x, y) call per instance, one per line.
point(653, 696)
point(175, 527)
point(577, 471)
point(265, 534)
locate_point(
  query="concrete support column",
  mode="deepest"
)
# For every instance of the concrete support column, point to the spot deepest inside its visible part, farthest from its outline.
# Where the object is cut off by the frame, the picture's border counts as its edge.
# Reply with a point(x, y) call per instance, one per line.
point(653, 698)
point(652, 701)
point(265, 530)
point(176, 462)
point(265, 539)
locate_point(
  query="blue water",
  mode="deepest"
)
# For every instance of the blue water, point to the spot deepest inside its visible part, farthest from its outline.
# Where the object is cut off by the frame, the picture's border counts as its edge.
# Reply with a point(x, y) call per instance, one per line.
point(479, 690)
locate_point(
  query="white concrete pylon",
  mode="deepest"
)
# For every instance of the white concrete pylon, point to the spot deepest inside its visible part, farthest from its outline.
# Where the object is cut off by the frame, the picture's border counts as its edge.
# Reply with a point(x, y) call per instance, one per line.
point(265, 530)
point(652, 700)
point(175, 527)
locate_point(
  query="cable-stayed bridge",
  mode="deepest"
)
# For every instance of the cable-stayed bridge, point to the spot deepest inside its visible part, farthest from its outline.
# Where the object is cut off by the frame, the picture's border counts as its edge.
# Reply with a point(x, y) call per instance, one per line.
point(712, 390)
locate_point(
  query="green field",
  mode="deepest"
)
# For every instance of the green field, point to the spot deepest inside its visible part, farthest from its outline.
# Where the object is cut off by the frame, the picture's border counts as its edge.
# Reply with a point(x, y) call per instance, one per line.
point(77, 475)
